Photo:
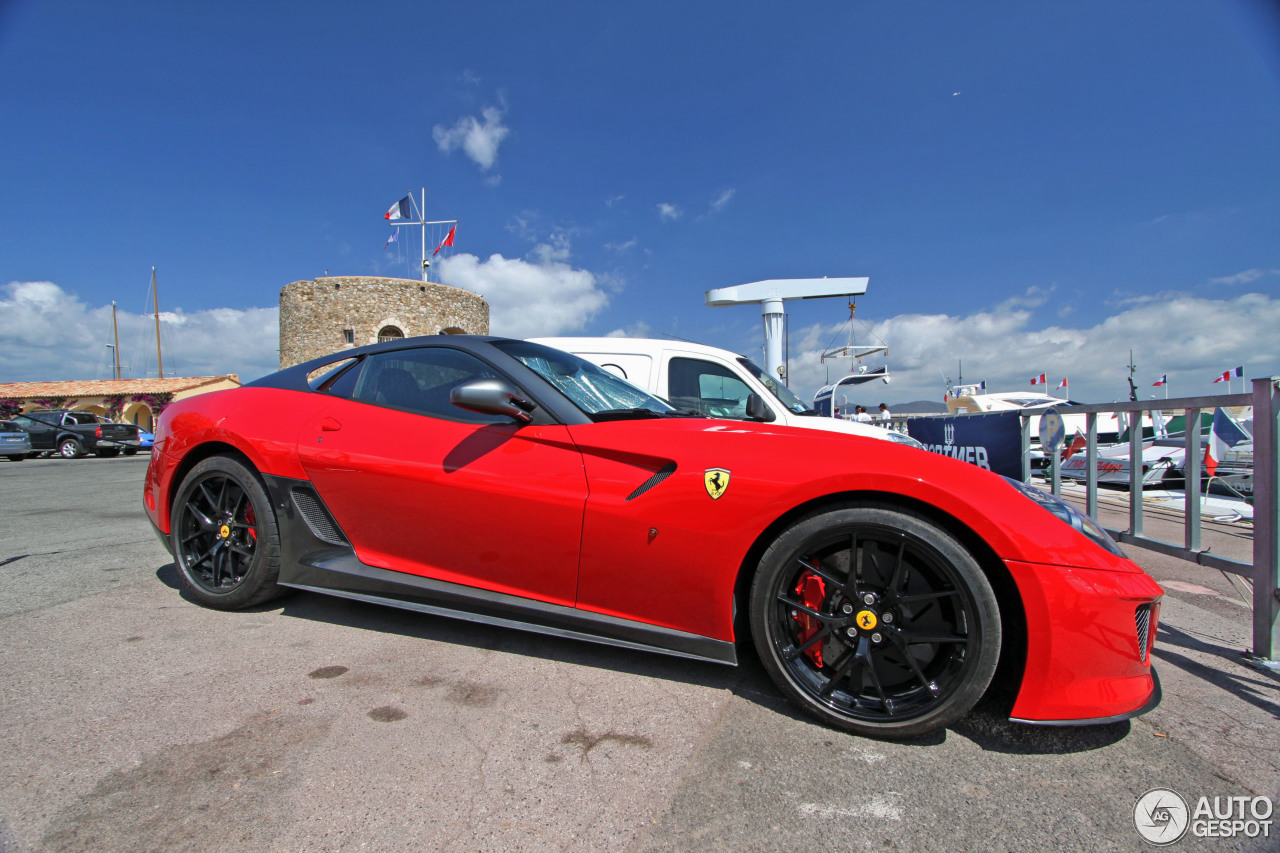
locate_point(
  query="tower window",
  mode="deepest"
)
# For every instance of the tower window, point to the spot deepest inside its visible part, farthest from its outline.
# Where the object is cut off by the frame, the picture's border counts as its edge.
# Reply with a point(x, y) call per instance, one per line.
point(389, 333)
point(348, 336)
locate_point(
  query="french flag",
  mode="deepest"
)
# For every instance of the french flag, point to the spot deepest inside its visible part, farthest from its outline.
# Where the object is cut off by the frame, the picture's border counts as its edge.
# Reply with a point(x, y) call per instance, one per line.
point(1226, 434)
point(399, 210)
point(1227, 374)
point(1163, 380)
point(1038, 380)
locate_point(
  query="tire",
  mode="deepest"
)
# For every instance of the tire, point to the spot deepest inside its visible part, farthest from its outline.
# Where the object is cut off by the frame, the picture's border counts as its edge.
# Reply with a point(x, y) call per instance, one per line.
point(70, 448)
point(107, 452)
point(18, 458)
point(225, 539)
point(851, 648)
point(131, 451)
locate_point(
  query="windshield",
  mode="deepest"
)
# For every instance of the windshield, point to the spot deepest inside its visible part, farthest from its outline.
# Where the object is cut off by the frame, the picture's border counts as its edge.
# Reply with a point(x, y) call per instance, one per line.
point(592, 389)
point(782, 392)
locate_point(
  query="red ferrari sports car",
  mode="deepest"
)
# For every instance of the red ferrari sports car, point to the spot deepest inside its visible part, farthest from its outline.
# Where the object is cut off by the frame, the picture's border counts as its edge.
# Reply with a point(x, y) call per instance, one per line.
point(512, 484)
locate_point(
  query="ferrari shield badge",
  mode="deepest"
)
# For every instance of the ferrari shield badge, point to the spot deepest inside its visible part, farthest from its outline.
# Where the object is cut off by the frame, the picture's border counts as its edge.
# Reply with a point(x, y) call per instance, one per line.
point(716, 480)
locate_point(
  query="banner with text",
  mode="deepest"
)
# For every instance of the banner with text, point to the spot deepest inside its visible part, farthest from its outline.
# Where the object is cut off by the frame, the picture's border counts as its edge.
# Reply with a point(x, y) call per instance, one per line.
point(992, 441)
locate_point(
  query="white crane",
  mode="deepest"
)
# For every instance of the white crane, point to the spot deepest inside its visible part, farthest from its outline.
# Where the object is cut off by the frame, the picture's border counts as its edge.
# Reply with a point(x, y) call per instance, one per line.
point(771, 295)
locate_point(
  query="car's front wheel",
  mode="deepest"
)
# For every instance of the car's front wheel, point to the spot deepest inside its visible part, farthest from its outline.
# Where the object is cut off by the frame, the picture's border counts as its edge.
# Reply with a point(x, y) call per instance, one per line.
point(874, 620)
point(70, 448)
point(225, 539)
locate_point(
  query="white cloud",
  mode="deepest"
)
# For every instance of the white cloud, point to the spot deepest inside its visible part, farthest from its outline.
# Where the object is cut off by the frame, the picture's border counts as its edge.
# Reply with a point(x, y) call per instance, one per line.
point(544, 296)
point(613, 199)
point(719, 202)
point(1244, 277)
point(669, 212)
point(49, 334)
point(1190, 338)
point(638, 329)
point(479, 138)
point(622, 248)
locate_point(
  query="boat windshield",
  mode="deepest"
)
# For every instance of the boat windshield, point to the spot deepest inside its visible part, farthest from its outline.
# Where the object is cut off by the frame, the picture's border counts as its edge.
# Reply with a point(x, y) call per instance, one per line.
point(599, 393)
point(793, 403)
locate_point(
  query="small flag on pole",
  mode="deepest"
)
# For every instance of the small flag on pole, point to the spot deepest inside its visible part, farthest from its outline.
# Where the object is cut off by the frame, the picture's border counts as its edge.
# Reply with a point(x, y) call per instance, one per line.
point(1077, 444)
point(1227, 374)
point(1038, 380)
point(394, 238)
point(1062, 384)
point(400, 210)
point(448, 241)
point(1225, 435)
point(1163, 380)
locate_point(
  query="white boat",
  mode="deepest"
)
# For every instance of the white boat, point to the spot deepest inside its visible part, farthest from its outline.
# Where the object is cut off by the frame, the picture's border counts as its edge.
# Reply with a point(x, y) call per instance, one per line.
point(1113, 464)
point(975, 398)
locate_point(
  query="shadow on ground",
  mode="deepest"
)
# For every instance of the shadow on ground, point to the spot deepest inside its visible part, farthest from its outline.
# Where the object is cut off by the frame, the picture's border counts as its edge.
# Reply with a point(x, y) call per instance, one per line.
point(987, 724)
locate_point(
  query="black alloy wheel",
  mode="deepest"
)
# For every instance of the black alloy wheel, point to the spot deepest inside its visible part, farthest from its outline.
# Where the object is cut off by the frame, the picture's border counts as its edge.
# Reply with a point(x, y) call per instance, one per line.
point(875, 621)
point(224, 535)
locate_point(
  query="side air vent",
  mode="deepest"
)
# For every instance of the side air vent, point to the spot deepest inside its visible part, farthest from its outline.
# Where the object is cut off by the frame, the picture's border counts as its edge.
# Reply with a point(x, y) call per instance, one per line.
point(663, 473)
point(1142, 620)
point(322, 525)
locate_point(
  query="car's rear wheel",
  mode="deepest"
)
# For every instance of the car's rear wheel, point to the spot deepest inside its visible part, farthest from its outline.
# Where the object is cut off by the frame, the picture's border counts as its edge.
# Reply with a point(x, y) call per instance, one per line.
point(875, 621)
point(131, 451)
point(70, 448)
point(225, 539)
point(107, 452)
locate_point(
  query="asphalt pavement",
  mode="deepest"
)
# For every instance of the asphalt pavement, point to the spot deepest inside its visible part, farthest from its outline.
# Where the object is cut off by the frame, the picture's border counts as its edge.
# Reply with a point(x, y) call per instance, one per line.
point(134, 720)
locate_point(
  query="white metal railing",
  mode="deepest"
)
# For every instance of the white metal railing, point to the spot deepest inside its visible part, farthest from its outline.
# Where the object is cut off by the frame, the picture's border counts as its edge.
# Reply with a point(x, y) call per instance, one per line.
point(1264, 571)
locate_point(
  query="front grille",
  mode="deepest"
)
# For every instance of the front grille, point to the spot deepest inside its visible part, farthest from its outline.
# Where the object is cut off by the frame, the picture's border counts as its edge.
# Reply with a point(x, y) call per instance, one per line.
point(1142, 620)
point(322, 525)
point(663, 473)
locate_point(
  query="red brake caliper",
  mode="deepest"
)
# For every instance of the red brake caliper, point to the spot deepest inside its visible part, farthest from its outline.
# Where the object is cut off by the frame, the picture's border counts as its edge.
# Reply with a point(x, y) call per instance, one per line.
point(812, 591)
point(251, 519)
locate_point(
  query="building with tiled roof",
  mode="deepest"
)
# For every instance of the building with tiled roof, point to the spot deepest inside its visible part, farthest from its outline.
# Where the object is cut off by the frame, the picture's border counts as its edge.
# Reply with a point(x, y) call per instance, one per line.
point(127, 400)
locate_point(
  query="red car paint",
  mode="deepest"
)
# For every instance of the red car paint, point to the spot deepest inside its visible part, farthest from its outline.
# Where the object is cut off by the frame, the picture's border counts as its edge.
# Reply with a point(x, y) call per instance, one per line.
point(543, 512)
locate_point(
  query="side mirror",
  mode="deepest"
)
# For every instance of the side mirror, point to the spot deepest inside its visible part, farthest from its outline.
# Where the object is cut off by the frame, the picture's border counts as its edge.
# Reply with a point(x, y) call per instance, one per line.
point(757, 410)
point(492, 397)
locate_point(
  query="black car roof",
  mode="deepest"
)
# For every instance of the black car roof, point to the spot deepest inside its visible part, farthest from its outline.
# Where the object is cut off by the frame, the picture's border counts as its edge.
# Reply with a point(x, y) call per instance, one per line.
point(543, 393)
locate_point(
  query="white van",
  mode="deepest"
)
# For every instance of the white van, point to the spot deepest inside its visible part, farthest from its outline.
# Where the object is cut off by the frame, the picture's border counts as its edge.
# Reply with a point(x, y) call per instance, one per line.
point(711, 381)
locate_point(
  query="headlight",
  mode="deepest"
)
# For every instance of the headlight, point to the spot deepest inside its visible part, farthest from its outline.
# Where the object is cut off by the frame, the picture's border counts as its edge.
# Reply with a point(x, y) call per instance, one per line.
point(1068, 514)
point(899, 438)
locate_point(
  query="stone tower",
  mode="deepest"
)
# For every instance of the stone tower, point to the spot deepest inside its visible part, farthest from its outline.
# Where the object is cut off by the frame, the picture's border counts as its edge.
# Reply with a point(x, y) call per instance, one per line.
point(341, 312)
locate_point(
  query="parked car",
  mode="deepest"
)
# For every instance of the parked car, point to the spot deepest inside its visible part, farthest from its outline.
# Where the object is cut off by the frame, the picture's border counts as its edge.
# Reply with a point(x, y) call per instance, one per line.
point(15, 443)
point(71, 433)
point(516, 485)
point(711, 381)
point(145, 440)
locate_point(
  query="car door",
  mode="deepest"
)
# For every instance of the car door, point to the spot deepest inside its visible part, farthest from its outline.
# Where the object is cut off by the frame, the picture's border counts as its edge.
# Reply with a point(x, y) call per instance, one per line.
point(424, 487)
point(706, 387)
point(43, 433)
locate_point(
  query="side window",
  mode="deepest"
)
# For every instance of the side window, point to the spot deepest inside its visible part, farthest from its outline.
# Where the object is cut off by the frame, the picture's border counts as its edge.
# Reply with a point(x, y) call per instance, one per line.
point(419, 380)
point(708, 388)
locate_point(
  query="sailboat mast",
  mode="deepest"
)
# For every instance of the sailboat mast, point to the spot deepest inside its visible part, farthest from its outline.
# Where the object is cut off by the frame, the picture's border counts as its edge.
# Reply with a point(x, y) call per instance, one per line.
point(155, 296)
point(115, 331)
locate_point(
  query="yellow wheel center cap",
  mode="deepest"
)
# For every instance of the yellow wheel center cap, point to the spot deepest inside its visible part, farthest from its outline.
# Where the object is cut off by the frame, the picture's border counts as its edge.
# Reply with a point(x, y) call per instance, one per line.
point(225, 531)
point(866, 620)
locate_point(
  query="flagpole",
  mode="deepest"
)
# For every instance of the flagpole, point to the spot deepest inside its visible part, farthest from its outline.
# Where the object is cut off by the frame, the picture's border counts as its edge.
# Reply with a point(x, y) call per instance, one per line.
point(422, 215)
point(155, 295)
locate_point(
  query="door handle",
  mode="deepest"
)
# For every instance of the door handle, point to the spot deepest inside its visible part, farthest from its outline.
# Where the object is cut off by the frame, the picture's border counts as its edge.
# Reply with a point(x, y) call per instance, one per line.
point(330, 425)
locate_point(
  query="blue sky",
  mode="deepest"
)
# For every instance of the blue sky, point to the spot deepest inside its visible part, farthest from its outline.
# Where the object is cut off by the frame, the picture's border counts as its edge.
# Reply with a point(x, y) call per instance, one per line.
point(1030, 187)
